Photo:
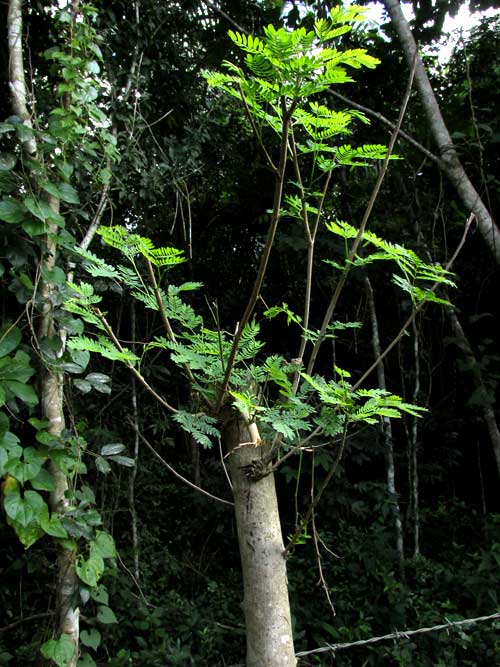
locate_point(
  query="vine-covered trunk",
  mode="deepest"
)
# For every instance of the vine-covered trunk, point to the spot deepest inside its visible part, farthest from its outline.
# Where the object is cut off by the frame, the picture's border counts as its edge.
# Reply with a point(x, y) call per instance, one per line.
point(52, 402)
point(51, 382)
point(266, 604)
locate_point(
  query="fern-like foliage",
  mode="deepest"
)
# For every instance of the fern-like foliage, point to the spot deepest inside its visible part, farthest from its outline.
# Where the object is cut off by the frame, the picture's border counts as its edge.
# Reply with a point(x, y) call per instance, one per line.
point(200, 426)
point(321, 123)
point(247, 404)
point(285, 68)
point(102, 346)
point(416, 272)
point(249, 345)
point(362, 405)
point(83, 303)
point(96, 266)
point(180, 311)
point(291, 418)
point(130, 245)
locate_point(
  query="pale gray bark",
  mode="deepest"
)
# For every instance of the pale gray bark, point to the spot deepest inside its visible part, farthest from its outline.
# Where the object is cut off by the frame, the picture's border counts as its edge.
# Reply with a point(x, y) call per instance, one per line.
point(413, 450)
point(449, 157)
point(386, 428)
point(17, 81)
point(266, 604)
point(486, 407)
point(52, 402)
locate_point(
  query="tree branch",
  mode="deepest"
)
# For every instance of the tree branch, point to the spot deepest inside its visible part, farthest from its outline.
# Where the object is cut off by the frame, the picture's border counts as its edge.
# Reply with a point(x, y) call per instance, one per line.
point(174, 472)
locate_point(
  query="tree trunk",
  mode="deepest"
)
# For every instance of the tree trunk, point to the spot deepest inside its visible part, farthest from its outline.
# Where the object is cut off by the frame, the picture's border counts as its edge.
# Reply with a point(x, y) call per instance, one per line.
point(413, 451)
point(133, 471)
point(451, 162)
point(52, 399)
point(265, 604)
point(386, 428)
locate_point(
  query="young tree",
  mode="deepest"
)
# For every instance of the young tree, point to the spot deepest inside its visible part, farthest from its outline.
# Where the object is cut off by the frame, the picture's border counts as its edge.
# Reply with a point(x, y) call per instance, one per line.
point(266, 408)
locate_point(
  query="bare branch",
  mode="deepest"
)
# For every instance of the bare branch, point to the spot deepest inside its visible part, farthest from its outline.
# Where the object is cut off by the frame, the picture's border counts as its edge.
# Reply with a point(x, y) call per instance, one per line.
point(385, 121)
point(175, 473)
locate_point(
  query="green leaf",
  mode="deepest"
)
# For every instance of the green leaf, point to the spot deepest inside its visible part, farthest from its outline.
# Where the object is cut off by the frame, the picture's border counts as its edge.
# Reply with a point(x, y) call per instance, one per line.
point(17, 368)
point(12, 211)
point(23, 391)
point(60, 650)
point(98, 378)
point(27, 535)
point(70, 367)
point(53, 526)
point(82, 385)
point(6, 127)
point(10, 337)
point(42, 481)
point(68, 194)
point(29, 467)
point(102, 465)
point(56, 275)
point(105, 176)
point(106, 616)
point(85, 660)
point(25, 510)
point(123, 461)
point(91, 569)
point(99, 382)
point(42, 210)
point(66, 170)
point(114, 448)
point(7, 161)
point(34, 227)
point(91, 638)
point(81, 358)
point(100, 594)
point(104, 545)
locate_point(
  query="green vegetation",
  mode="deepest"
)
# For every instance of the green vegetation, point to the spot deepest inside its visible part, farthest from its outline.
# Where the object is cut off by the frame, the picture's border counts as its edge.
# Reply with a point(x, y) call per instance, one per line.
point(190, 220)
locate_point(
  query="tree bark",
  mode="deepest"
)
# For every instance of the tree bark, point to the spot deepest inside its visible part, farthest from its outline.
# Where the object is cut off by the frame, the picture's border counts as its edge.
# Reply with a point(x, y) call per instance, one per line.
point(451, 162)
point(17, 81)
point(52, 403)
point(413, 451)
point(265, 604)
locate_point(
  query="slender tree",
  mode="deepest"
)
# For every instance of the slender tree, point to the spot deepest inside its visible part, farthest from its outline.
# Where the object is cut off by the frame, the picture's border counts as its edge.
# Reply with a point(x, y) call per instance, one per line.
point(386, 429)
point(51, 385)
